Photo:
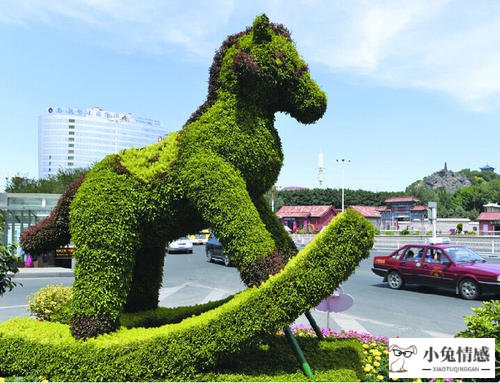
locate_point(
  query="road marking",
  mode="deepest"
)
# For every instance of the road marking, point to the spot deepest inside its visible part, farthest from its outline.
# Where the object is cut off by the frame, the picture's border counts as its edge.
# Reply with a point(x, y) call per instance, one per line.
point(193, 284)
point(347, 322)
point(12, 307)
point(167, 291)
point(214, 295)
point(436, 334)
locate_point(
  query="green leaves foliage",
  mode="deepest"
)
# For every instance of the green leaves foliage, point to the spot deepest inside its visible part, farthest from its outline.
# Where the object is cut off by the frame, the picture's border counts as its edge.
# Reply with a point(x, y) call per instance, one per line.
point(485, 323)
point(181, 351)
point(53, 184)
point(52, 231)
point(51, 303)
point(8, 267)
point(210, 174)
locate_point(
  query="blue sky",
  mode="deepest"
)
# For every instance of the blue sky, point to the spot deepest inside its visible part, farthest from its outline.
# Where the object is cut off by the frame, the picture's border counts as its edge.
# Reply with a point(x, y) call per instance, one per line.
point(410, 85)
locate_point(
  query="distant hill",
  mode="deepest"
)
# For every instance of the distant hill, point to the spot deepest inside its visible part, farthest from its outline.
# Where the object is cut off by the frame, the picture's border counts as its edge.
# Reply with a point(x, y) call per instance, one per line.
point(450, 181)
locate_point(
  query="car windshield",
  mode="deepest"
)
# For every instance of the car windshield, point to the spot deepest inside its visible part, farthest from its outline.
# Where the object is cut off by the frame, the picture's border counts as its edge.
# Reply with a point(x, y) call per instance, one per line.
point(462, 254)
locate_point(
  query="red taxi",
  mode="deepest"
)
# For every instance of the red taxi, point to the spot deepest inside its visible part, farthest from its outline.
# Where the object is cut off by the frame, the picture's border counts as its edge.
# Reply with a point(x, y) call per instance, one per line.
point(439, 265)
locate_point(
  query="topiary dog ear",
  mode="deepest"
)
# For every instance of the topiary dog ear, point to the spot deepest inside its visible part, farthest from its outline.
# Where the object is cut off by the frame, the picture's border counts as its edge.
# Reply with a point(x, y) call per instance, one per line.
point(261, 29)
point(245, 66)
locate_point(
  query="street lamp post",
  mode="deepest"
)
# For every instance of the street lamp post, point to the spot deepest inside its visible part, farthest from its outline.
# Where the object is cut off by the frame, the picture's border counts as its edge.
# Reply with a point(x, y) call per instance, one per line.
point(274, 188)
point(343, 162)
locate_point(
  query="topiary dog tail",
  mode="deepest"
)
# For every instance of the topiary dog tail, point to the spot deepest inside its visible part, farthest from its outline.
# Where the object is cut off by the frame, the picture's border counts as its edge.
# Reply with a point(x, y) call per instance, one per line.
point(53, 231)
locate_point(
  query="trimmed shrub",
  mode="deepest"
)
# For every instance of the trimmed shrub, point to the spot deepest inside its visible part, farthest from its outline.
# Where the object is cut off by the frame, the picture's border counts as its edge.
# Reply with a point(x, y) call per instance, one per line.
point(485, 323)
point(51, 303)
point(213, 173)
point(8, 265)
point(52, 231)
point(181, 351)
point(167, 315)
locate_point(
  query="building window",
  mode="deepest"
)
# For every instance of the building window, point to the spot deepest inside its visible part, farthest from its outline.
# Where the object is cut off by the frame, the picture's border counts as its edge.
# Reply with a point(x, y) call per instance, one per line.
point(71, 120)
point(71, 151)
point(71, 157)
point(71, 126)
point(71, 133)
point(71, 145)
point(71, 139)
point(69, 164)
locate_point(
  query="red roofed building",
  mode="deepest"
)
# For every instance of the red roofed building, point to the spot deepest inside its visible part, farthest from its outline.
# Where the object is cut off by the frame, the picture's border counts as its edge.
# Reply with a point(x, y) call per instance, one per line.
point(401, 209)
point(405, 200)
point(371, 213)
point(489, 220)
point(309, 218)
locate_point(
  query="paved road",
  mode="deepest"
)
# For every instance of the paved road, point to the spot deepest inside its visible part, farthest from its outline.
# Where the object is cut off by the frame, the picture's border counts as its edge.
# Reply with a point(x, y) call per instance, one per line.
point(189, 279)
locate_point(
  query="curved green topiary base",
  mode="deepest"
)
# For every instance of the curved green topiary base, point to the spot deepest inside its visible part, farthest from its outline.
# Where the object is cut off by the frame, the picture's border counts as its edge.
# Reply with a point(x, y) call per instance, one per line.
point(180, 351)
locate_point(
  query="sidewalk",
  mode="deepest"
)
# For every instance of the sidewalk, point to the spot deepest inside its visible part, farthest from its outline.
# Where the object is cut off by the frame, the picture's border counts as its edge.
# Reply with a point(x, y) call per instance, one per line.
point(43, 272)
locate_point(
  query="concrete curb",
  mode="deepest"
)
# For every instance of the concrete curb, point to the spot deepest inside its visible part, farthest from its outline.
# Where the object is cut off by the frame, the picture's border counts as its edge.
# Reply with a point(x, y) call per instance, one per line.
point(43, 272)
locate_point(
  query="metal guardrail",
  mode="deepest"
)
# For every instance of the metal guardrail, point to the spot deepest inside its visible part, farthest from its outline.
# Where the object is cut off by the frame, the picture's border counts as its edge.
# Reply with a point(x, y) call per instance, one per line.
point(487, 246)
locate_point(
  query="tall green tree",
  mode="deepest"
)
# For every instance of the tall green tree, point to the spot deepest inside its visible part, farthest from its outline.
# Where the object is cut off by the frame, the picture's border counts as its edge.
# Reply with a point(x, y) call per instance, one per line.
point(53, 184)
point(8, 264)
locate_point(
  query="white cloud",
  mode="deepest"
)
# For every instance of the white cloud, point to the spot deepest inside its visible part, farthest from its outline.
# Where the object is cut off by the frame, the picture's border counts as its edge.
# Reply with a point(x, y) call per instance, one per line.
point(439, 45)
point(128, 25)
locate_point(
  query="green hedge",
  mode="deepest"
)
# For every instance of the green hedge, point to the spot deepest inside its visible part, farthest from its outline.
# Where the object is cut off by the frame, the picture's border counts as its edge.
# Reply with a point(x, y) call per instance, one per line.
point(181, 351)
point(332, 360)
point(167, 315)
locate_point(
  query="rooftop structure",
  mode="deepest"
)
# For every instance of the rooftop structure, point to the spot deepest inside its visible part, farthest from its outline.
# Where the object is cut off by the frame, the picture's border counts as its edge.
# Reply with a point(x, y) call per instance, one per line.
point(309, 218)
point(487, 168)
point(70, 138)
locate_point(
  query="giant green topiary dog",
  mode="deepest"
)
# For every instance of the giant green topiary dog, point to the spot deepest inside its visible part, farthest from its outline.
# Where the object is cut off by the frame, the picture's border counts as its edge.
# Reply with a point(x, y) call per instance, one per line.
point(213, 173)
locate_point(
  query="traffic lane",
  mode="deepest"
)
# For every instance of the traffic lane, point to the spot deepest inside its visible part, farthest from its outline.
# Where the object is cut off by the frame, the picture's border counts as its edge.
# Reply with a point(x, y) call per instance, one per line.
point(194, 268)
point(15, 302)
point(413, 309)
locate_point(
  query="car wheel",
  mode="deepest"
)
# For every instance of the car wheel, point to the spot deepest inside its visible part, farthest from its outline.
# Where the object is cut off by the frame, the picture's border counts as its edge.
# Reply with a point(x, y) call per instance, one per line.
point(227, 262)
point(395, 280)
point(469, 289)
point(209, 255)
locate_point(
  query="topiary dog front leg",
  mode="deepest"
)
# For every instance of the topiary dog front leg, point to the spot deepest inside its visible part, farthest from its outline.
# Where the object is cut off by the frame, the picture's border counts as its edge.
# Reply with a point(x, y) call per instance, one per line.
point(104, 226)
point(219, 193)
point(284, 243)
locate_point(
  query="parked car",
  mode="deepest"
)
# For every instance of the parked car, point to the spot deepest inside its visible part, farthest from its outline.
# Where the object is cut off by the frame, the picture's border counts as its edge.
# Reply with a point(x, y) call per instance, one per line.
point(215, 252)
point(200, 238)
point(439, 265)
point(181, 245)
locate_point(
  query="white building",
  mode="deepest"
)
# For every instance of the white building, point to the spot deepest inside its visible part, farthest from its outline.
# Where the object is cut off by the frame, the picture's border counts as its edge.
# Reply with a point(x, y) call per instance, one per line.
point(74, 138)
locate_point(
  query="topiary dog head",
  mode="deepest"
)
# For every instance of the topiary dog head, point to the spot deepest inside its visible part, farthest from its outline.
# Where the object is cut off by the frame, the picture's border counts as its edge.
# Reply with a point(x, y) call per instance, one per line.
point(262, 66)
point(269, 69)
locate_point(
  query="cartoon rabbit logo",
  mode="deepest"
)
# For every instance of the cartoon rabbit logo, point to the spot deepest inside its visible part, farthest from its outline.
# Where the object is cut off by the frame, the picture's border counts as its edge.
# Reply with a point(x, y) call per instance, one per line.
point(401, 355)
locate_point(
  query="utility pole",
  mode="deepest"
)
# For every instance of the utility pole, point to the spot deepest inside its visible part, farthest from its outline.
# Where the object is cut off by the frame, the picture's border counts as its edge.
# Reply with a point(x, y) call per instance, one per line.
point(343, 162)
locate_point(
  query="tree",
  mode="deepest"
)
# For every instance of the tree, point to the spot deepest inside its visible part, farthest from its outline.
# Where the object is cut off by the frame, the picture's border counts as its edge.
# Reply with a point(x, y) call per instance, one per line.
point(53, 184)
point(8, 265)
point(334, 197)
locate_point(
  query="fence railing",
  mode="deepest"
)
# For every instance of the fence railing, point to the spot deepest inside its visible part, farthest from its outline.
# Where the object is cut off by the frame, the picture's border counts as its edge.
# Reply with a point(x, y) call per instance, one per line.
point(449, 232)
point(484, 245)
